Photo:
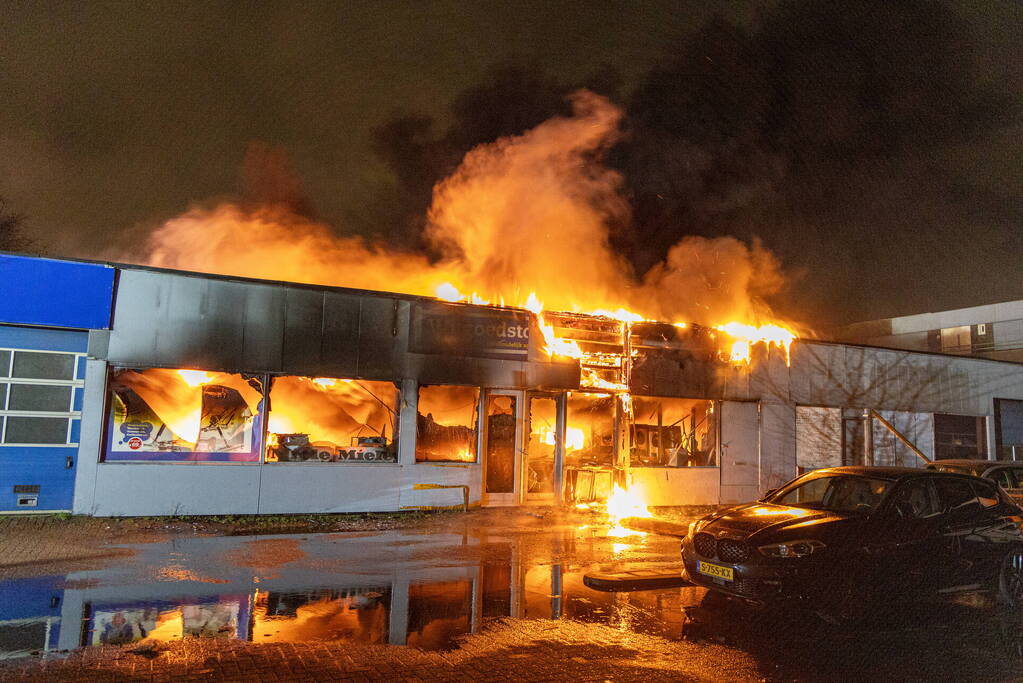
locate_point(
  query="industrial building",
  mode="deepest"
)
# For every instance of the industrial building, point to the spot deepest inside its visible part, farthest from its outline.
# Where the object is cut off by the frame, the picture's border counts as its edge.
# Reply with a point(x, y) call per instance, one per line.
point(129, 390)
point(991, 331)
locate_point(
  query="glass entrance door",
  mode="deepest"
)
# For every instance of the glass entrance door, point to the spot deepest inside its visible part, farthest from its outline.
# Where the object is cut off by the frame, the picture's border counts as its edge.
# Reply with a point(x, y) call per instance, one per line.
point(503, 436)
point(542, 464)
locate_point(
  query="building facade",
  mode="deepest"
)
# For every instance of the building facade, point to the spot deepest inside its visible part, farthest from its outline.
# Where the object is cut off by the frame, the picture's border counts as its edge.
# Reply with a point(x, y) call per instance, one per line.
point(47, 308)
point(204, 394)
point(992, 331)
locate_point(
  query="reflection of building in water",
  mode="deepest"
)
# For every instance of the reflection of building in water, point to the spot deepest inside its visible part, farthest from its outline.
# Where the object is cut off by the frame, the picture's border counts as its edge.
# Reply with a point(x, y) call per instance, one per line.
point(359, 614)
point(394, 601)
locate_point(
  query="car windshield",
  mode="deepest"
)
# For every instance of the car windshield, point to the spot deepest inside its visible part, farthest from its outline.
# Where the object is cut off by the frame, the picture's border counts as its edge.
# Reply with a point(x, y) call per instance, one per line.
point(837, 493)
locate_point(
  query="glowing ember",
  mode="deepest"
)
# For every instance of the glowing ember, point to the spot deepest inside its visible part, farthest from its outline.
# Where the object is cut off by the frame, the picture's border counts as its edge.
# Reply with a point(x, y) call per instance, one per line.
point(618, 314)
point(746, 336)
point(590, 378)
point(623, 503)
point(195, 377)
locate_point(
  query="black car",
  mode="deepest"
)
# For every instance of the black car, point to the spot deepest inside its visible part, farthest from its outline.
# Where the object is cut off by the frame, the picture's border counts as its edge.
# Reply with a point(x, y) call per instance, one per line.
point(1006, 473)
point(837, 537)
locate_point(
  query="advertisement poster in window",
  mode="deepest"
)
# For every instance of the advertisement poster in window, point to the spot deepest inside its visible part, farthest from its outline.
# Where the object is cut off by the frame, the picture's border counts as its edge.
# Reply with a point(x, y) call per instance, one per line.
point(171, 415)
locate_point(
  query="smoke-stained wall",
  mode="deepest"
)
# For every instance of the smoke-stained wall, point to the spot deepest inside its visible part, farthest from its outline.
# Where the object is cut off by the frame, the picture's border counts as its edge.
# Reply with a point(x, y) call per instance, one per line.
point(176, 320)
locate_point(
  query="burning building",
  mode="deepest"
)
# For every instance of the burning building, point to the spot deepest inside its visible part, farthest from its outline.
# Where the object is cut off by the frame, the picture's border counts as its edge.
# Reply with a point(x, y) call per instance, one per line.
point(129, 390)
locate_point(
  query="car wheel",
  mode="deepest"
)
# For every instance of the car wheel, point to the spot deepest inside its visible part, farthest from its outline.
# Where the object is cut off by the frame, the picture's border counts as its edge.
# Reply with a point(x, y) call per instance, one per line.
point(1010, 580)
point(849, 603)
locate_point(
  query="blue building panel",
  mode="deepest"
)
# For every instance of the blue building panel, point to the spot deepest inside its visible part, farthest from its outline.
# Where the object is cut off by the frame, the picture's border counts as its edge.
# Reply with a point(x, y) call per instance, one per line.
point(12, 337)
point(42, 466)
point(52, 293)
point(31, 598)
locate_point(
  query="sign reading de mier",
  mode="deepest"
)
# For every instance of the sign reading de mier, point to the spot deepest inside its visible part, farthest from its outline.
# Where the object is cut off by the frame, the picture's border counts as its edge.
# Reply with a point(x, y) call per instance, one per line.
point(459, 330)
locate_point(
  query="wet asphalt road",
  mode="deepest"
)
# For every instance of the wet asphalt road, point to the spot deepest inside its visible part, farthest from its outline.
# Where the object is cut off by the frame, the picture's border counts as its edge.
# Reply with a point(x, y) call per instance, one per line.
point(426, 588)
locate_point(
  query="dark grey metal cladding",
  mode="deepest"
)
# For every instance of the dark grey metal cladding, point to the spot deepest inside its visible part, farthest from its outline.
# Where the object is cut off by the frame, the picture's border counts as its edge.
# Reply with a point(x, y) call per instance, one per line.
point(674, 362)
point(321, 333)
point(179, 321)
point(170, 320)
point(383, 337)
point(176, 320)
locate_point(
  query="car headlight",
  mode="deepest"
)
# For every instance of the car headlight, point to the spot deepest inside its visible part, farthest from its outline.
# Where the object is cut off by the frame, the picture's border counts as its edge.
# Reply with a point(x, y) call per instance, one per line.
point(791, 548)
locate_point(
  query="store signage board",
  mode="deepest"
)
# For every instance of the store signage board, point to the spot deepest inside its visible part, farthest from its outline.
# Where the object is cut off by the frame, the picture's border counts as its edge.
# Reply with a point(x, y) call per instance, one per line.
point(453, 330)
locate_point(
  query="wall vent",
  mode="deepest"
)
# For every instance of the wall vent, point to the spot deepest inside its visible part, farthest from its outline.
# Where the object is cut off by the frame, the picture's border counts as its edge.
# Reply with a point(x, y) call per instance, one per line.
point(26, 488)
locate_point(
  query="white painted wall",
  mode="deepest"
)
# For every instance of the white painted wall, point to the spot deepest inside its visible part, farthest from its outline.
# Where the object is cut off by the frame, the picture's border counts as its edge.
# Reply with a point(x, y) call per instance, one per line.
point(133, 489)
point(677, 485)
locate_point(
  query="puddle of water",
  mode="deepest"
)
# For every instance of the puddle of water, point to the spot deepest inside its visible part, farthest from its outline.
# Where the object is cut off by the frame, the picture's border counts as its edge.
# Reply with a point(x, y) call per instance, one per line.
point(423, 591)
point(427, 590)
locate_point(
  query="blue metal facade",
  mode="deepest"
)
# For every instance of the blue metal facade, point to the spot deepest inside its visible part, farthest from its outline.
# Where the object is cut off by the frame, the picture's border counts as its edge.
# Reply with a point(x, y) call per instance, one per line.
point(46, 309)
point(52, 293)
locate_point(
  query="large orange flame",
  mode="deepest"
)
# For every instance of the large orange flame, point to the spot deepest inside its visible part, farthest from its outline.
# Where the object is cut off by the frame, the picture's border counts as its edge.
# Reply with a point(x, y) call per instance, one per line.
point(745, 336)
point(623, 503)
point(523, 219)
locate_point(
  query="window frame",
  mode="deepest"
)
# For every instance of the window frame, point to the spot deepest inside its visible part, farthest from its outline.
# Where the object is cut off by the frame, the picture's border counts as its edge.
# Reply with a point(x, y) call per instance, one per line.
point(478, 427)
point(75, 384)
point(108, 425)
point(396, 435)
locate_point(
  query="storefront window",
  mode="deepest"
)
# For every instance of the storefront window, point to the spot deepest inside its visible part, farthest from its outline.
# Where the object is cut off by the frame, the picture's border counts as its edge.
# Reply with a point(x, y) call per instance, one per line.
point(446, 424)
point(332, 420)
point(672, 432)
point(183, 415)
point(590, 431)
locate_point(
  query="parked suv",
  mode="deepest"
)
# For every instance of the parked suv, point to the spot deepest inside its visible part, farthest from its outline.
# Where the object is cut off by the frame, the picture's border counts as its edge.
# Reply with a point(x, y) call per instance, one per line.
point(1006, 473)
point(835, 538)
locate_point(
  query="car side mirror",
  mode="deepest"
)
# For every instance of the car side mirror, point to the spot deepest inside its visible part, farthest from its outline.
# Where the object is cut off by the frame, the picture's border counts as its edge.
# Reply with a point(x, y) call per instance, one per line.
point(769, 493)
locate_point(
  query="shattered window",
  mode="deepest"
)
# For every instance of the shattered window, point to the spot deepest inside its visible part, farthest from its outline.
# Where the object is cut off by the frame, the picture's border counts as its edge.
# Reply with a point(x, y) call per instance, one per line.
point(672, 432)
point(184, 415)
point(447, 423)
point(324, 419)
point(590, 430)
point(543, 411)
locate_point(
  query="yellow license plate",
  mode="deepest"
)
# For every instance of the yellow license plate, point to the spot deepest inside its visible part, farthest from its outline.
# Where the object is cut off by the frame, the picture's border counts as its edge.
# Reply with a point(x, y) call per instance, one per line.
point(715, 570)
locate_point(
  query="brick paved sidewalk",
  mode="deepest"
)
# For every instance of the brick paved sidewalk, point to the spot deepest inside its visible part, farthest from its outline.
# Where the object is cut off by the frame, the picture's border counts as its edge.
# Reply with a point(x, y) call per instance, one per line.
point(507, 650)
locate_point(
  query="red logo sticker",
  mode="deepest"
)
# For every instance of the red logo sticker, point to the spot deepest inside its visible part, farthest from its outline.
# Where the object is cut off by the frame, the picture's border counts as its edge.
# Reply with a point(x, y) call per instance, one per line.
point(134, 443)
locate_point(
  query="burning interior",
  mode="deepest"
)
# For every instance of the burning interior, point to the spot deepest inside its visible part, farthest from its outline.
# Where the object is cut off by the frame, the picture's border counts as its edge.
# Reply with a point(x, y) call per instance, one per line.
point(332, 420)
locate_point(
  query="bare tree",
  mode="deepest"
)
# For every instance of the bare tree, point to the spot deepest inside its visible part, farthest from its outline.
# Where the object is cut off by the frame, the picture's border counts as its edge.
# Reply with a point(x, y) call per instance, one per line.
point(12, 235)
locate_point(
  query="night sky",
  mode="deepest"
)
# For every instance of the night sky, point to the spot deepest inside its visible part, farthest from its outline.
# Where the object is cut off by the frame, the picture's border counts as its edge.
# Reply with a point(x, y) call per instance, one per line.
point(115, 115)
